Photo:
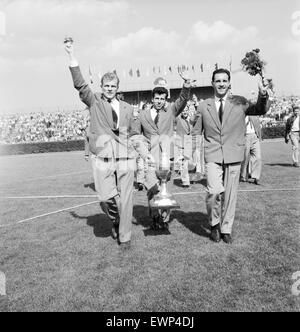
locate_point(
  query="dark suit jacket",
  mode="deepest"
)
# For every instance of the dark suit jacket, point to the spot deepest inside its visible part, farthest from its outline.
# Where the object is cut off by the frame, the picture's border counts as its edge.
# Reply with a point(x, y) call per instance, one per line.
point(103, 141)
point(225, 143)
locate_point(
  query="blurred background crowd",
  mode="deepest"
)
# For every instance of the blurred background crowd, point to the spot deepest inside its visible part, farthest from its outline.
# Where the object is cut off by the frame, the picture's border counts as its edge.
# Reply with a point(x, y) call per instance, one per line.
point(71, 125)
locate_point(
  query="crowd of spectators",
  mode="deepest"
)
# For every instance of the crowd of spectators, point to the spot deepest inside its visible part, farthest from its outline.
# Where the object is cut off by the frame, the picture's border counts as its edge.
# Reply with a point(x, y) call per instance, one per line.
point(64, 126)
point(42, 127)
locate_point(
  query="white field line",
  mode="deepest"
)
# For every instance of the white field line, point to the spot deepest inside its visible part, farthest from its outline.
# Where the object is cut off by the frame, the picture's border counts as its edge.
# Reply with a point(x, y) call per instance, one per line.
point(178, 193)
point(94, 202)
point(48, 214)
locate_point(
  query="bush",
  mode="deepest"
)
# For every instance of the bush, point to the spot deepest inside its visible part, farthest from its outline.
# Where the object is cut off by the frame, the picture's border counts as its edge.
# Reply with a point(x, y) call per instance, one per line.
point(273, 132)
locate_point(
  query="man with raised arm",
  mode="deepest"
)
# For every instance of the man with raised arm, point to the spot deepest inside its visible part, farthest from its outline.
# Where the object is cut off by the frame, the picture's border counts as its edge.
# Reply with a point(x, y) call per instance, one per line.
point(112, 154)
point(157, 126)
point(222, 121)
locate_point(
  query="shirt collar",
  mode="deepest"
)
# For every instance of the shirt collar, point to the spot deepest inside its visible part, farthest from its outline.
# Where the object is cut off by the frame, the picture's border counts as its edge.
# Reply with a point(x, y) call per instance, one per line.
point(217, 99)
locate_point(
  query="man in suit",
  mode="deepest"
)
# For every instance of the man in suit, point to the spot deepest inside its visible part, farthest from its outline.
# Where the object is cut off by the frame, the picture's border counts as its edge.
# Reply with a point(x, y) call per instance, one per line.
point(184, 126)
point(251, 165)
point(292, 133)
point(157, 125)
point(222, 120)
point(112, 154)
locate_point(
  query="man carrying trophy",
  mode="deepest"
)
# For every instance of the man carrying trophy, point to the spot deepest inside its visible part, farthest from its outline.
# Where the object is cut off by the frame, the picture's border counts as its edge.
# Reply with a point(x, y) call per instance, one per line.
point(222, 121)
point(157, 125)
point(112, 154)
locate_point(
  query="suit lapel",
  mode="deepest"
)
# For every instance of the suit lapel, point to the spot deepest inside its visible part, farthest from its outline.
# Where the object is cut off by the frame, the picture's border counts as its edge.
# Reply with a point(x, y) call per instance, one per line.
point(227, 111)
point(122, 115)
point(211, 107)
point(150, 121)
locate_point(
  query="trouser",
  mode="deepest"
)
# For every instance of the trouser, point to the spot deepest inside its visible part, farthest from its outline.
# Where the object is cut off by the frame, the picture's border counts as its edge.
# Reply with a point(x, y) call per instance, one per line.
point(114, 185)
point(295, 146)
point(251, 164)
point(222, 186)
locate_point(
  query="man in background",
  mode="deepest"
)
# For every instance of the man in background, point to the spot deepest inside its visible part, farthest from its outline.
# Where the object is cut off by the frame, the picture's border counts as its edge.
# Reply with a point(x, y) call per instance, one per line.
point(292, 132)
point(251, 165)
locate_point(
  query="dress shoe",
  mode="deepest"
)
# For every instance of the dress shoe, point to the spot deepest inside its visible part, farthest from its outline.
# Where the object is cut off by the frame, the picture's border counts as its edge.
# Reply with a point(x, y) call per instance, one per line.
point(185, 186)
point(256, 181)
point(125, 245)
point(227, 238)
point(215, 235)
point(296, 165)
point(243, 180)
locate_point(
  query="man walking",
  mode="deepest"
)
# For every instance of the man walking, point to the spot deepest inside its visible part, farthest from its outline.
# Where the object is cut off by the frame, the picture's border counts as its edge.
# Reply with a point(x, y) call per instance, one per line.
point(292, 133)
point(157, 125)
point(222, 120)
point(251, 165)
point(112, 155)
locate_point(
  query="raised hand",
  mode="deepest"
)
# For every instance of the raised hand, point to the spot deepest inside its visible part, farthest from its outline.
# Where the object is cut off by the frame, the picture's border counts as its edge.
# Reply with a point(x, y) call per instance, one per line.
point(185, 75)
point(68, 45)
point(265, 86)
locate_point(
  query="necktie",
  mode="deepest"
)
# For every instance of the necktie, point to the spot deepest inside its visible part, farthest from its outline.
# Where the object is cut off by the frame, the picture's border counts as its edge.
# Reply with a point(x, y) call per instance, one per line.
point(221, 110)
point(114, 116)
point(156, 117)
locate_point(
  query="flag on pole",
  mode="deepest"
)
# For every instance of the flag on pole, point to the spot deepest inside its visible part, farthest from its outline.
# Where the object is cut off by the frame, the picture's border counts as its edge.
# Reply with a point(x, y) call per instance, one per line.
point(138, 74)
point(201, 67)
point(130, 72)
point(90, 75)
point(170, 70)
point(193, 68)
point(153, 70)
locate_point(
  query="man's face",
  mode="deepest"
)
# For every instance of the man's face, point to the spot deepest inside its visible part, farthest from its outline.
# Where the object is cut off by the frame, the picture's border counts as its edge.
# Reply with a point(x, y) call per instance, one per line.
point(109, 88)
point(296, 111)
point(221, 84)
point(159, 101)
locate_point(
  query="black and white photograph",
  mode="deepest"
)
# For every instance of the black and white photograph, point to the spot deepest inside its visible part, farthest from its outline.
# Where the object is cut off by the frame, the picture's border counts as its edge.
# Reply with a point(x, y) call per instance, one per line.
point(149, 158)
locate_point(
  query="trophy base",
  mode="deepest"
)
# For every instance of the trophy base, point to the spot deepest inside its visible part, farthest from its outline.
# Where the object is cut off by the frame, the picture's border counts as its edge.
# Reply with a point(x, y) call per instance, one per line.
point(164, 203)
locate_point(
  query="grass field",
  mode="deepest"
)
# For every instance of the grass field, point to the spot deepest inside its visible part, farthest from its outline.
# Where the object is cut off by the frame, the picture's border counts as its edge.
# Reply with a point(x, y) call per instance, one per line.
point(67, 261)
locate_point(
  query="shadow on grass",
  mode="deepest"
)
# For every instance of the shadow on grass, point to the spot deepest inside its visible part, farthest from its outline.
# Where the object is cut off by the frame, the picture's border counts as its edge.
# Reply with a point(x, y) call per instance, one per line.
point(90, 185)
point(101, 224)
point(196, 222)
point(280, 164)
point(202, 181)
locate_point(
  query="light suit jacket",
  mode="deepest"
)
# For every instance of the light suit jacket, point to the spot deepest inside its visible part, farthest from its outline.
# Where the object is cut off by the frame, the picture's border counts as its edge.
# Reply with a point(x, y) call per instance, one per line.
point(103, 140)
point(225, 143)
point(161, 137)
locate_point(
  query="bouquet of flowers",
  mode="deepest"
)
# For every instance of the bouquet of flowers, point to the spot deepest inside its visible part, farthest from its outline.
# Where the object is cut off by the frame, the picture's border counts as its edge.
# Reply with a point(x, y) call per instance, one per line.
point(253, 64)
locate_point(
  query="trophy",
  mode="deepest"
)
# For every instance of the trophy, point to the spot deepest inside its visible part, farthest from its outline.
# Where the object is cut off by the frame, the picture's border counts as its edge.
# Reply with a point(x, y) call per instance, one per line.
point(69, 41)
point(164, 200)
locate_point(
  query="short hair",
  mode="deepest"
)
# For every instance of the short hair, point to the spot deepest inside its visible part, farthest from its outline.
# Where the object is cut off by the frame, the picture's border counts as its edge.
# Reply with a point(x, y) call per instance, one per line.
point(110, 76)
point(221, 71)
point(160, 90)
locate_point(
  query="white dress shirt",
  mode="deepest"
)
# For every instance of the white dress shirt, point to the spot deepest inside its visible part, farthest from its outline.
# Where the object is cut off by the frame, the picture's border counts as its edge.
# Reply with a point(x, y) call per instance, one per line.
point(295, 126)
point(153, 113)
point(115, 104)
point(218, 102)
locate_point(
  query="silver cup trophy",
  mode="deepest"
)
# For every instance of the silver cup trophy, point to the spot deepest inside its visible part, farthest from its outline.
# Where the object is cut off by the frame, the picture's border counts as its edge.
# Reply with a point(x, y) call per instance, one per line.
point(164, 199)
